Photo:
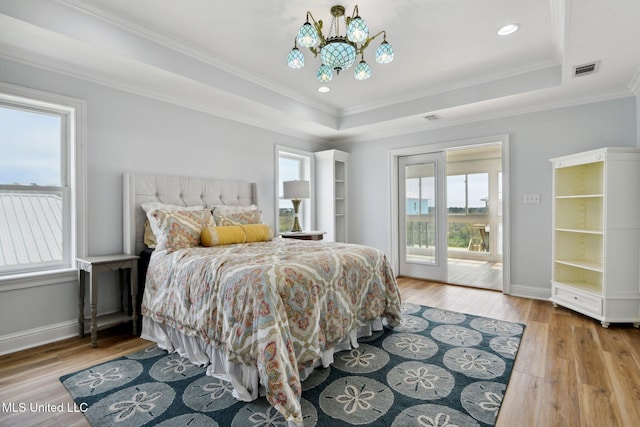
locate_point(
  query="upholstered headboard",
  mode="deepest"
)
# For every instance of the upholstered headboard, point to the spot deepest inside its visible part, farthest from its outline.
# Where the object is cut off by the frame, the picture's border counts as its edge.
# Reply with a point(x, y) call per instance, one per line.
point(139, 188)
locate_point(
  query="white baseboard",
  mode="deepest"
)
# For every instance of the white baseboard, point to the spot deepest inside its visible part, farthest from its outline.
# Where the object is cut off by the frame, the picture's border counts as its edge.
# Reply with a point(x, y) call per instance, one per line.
point(530, 292)
point(34, 337)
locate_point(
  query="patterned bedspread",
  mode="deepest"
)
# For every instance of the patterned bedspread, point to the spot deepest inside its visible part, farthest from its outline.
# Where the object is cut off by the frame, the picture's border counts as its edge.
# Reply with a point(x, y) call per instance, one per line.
point(275, 305)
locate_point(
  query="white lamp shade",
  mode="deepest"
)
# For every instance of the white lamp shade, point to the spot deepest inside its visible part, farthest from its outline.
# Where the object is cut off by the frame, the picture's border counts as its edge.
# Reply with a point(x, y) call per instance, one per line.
point(295, 189)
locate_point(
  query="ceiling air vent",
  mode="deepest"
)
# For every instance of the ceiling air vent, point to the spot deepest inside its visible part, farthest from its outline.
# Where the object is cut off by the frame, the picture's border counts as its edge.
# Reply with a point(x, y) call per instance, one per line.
point(432, 117)
point(586, 69)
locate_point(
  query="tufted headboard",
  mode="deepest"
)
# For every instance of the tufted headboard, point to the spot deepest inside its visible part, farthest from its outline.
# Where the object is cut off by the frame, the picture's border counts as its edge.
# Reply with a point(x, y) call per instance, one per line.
point(139, 188)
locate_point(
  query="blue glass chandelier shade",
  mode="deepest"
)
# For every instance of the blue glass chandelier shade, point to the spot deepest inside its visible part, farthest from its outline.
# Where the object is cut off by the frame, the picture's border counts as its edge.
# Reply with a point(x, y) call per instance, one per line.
point(338, 53)
point(307, 36)
point(324, 74)
point(362, 71)
point(384, 53)
point(295, 58)
point(358, 31)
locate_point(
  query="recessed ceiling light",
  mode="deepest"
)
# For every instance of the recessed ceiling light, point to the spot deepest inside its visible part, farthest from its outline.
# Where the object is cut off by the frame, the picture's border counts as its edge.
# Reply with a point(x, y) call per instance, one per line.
point(508, 29)
point(323, 89)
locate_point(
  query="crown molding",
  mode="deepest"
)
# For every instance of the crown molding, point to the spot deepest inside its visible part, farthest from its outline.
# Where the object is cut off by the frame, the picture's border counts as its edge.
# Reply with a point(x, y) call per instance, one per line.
point(634, 84)
point(175, 44)
point(439, 90)
point(70, 70)
point(475, 118)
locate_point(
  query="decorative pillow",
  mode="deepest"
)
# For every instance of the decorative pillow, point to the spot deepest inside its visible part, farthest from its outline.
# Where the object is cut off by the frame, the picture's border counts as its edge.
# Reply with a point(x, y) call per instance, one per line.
point(222, 235)
point(149, 237)
point(236, 215)
point(179, 229)
point(229, 209)
point(149, 207)
point(257, 232)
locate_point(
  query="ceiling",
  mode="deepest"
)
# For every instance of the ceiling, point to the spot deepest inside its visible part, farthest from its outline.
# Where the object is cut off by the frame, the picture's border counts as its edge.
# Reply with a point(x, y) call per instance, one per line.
point(230, 61)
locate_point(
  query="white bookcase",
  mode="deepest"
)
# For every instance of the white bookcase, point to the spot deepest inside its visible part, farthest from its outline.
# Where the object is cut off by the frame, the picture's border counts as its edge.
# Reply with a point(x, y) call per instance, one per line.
point(331, 194)
point(596, 234)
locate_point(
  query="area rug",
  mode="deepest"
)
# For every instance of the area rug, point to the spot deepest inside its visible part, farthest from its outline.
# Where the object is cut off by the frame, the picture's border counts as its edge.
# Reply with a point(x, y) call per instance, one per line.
point(437, 368)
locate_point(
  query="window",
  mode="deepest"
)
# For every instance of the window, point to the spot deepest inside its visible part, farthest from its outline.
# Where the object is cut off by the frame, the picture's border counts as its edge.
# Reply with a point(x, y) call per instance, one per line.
point(293, 165)
point(468, 194)
point(40, 201)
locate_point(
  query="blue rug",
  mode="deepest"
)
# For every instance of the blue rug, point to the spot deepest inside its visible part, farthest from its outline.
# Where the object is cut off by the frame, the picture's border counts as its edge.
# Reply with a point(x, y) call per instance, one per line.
point(438, 368)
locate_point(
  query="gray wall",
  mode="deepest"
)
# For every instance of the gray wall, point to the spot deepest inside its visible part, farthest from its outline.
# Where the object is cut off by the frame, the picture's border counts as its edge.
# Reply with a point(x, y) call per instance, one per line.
point(130, 132)
point(534, 139)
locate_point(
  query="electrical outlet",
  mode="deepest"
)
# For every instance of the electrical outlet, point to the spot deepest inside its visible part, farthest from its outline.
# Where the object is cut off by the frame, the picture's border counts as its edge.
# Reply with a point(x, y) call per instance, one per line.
point(531, 199)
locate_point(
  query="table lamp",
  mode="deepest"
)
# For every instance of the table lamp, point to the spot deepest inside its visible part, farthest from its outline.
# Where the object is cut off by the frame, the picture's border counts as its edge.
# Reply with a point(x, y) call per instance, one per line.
point(296, 191)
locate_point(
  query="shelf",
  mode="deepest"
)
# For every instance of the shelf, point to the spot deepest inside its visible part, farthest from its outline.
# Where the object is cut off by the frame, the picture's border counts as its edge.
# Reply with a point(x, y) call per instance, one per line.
point(331, 189)
point(588, 265)
point(590, 288)
point(581, 179)
point(595, 234)
point(107, 320)
point(576, 212)
point(581, 196)
point(579, 230)
point(571, 274)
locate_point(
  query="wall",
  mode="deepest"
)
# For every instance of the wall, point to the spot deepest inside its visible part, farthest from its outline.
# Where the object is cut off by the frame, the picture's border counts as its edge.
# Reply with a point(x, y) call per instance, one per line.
point(534, 139)
point(129, 132)
point(638, 118)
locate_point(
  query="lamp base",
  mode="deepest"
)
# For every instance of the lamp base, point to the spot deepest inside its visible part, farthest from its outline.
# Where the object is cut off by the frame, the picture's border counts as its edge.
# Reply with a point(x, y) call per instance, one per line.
point(296, 224)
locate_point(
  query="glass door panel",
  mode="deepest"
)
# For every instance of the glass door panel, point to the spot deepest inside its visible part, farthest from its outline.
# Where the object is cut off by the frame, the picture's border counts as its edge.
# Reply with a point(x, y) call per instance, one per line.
point(422, 219)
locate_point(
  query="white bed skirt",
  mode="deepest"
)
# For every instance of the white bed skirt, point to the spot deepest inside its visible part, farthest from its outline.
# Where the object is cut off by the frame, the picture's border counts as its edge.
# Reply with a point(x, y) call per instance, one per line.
point(243, 378)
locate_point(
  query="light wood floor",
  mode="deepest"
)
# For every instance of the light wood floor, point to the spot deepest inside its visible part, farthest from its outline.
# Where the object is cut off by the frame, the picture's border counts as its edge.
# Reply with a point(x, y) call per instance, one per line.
point(569, 370)
point(475, 273)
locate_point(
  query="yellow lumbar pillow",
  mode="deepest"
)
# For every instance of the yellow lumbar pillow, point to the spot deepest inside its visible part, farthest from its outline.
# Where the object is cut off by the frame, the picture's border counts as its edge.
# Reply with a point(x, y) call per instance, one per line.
point(229, 234)
point(223, 235)
point(257, 232)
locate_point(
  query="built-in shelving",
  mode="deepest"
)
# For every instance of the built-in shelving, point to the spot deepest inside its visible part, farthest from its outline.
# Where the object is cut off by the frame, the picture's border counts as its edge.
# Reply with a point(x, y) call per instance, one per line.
point(331, 192)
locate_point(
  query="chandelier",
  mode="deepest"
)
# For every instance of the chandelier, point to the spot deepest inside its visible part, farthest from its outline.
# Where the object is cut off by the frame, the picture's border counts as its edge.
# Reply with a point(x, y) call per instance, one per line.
point(339, 52)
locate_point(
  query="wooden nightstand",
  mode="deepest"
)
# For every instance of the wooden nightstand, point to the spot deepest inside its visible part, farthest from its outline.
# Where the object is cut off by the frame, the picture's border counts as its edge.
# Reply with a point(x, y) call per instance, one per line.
point(304, 235)
point(88, 270)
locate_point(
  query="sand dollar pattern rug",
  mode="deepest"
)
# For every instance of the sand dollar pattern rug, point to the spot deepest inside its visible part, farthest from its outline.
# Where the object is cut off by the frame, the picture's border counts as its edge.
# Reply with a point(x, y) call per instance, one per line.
point(438, 368)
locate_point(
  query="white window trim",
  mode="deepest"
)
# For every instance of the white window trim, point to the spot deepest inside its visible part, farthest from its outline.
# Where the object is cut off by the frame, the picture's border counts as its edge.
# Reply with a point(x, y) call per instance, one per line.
point(310, 211)
point(77, 180)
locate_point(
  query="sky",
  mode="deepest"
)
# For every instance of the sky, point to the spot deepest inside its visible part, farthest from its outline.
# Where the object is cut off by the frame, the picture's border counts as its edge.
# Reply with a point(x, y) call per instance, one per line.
point(478, 189)
point(29, 148)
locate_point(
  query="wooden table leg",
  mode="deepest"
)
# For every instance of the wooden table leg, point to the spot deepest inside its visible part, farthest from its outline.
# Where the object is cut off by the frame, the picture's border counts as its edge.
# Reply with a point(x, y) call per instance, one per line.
point(81, 293)
point(121, 294)
point(94, 309)
point(133, 276)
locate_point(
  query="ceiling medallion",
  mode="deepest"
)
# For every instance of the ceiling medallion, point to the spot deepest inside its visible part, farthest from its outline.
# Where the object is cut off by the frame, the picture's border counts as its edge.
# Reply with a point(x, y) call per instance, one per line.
point(338, 52)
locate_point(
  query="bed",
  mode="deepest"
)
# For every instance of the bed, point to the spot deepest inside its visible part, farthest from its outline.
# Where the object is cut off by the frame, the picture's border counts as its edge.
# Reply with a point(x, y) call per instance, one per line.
point(261, 314)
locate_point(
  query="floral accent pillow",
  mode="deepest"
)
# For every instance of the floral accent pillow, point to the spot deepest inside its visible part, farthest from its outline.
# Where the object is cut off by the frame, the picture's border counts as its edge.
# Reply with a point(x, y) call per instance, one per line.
point(149, 208)
point(179, 229)
point(237, 215)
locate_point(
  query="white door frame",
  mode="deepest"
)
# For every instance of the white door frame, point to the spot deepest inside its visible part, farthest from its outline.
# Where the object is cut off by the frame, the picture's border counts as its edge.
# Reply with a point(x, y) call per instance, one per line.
point(421, 149)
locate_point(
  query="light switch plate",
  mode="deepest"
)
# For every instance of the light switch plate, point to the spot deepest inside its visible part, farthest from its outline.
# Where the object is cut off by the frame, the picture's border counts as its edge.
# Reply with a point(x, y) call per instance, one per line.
point(531, 199)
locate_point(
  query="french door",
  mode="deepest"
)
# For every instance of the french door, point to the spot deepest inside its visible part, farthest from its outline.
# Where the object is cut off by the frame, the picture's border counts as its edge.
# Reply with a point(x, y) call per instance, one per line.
point(422, 216)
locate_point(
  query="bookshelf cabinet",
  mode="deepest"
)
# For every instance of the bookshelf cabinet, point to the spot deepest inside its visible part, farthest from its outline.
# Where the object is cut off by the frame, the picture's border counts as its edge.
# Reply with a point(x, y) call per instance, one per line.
point(331, 194)
point(596, 234)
